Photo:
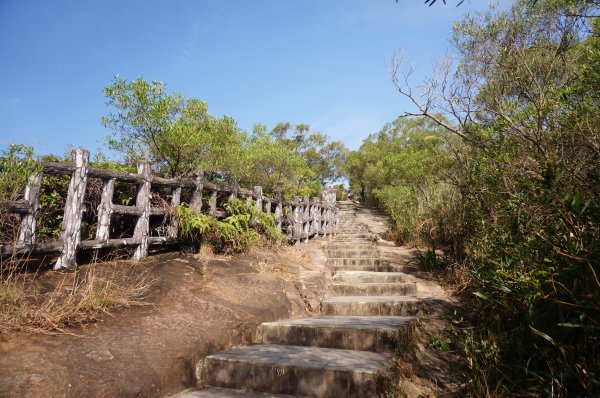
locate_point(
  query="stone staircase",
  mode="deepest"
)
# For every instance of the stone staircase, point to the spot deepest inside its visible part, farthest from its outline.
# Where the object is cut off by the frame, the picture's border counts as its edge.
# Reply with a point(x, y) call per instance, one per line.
point(348, 351)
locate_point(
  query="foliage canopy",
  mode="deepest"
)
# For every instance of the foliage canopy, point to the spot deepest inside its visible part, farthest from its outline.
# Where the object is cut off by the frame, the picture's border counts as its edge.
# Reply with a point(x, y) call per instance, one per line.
point(516, 193)
point(180, 137)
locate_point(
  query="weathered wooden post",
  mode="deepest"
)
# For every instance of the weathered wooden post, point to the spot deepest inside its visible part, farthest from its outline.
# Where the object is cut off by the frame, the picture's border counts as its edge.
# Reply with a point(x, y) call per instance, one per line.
point(328, 198)
point(234, 188)
point(174, 224)
point(318, 217)
point(306, 219)
point(28, 221)
point(105, 209)
point(314, 215)
point(290, 224)
point(196, 202)
point(332, 221)
point(321, 219)
point(212, 202)
point(297, 220)
point(74, 208)
point(142, 201)
point(257, 190)
point(279, 211)
point(325, 220)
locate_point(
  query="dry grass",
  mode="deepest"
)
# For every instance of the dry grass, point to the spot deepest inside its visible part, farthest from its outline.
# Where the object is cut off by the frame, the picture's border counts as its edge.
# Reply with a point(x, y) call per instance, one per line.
point(51, 302)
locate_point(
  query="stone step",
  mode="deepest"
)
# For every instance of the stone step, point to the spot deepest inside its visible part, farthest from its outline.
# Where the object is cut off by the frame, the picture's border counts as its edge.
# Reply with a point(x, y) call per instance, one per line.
point(368, 277)
point(352, 253)
point(296, 370)
point(350, 246)
point(384, 334)
point(225, 393)
point(373, 289)
point(370, 305)
point(352, 241)
point(378, 267)
point(355, 261)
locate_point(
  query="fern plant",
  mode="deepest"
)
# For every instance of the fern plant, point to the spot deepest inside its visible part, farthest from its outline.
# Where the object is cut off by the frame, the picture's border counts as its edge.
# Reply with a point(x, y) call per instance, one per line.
point(243, 226)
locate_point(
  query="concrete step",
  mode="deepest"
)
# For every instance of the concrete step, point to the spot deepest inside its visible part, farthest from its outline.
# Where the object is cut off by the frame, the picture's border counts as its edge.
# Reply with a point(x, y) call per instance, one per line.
point(370, 305)
point(373, 289)
point(368, 277)
point(356, 242)
point(355, 261)
point(352, 253)
point(383, 334)
point(304, 371)
point(383, 266)
point(350, 246)
point(344, 234)
point(225, 393)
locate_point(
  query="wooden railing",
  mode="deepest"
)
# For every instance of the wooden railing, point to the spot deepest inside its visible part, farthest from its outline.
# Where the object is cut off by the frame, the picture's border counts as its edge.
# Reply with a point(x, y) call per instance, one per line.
point(299, 219)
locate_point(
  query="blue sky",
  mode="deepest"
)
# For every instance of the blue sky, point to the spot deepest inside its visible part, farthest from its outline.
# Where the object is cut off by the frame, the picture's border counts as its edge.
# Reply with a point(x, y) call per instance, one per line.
point(320, 62)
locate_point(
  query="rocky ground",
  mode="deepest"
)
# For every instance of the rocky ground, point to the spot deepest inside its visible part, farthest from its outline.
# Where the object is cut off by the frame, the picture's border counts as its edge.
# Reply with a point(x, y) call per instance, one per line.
point(200, 304)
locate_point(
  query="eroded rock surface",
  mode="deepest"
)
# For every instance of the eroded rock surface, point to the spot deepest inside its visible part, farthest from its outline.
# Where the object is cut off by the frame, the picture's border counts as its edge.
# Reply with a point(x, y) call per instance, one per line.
point(198, 307)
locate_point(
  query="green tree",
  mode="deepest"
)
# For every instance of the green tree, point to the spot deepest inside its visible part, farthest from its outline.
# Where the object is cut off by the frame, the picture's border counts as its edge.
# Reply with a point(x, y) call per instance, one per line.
point(406, 169)
point(274, 165)
point(325, 158)
point(523, 97)
point(178, 135)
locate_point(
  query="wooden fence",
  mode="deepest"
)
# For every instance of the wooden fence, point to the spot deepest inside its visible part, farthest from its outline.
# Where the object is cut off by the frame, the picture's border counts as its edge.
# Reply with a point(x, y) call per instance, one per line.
point(300, 219)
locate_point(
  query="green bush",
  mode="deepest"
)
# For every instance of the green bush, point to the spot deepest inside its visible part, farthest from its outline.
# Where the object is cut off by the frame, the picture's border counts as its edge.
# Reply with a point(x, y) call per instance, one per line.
point(17, 164)
point(516, 202)
point(243, 226)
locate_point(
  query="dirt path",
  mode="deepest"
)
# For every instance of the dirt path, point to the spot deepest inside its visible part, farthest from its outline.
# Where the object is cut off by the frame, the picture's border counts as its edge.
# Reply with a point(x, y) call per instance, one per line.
point(199, 306)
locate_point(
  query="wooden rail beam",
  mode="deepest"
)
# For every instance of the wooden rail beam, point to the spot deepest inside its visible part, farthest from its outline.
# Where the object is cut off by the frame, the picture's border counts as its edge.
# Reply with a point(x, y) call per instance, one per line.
point(299, 219)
